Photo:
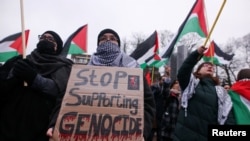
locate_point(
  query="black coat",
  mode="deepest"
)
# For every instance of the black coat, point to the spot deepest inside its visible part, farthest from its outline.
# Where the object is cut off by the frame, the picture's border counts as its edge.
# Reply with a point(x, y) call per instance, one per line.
point(25, 110)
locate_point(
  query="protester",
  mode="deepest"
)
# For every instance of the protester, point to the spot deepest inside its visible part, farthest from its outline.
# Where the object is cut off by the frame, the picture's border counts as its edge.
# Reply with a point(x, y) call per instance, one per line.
point(204, 102)
point(158, 92)
point(171, 111)
point(226, 86)
point(32, 84)
point(167, 76)
point(147, 72)
point(108, 53)
point(240, 95)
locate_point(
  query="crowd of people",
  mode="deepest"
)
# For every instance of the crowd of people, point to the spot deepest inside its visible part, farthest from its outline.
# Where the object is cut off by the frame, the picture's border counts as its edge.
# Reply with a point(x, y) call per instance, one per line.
point(179, 109)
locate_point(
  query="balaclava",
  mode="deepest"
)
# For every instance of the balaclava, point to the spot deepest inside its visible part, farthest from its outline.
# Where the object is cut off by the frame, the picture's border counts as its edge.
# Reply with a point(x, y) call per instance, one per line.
point(45, 46)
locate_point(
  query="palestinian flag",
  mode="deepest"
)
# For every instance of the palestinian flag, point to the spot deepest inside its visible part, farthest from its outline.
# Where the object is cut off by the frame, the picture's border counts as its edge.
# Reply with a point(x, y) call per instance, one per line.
point(240, 95)
point(216, 56)
point(146, 52)
point(77, 42)
point(12, 46)
point(195, 22)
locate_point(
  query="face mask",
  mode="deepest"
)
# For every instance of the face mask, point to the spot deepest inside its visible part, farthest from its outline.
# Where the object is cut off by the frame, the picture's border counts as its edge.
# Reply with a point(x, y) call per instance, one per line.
point(46, 47)
point(108, 48)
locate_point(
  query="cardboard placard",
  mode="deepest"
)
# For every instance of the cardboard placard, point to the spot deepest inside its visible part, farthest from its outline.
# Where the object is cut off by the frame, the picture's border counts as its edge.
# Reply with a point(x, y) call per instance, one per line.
point(102, 104)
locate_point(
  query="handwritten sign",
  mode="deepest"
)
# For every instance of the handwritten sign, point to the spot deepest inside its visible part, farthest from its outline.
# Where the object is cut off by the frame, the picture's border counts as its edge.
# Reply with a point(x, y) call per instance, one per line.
point(102, 104)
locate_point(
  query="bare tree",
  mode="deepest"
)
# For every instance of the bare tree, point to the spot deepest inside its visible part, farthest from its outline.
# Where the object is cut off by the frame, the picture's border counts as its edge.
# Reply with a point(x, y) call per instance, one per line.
point(165, 37)
point(240, 47)
point(246, 44)
point(125, 45)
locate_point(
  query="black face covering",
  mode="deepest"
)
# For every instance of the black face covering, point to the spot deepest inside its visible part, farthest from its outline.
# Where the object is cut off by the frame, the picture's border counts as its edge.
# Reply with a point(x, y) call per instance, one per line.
point(46, 47)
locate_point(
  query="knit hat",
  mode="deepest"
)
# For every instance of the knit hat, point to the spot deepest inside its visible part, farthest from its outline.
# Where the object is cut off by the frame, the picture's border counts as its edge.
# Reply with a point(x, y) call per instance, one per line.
point(243, 74)
point(58, 40)
point(107, 30)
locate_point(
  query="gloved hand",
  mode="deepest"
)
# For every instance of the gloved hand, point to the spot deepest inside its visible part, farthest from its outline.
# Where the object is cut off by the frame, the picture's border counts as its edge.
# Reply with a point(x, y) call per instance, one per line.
point(23, 70)
point(10, 84)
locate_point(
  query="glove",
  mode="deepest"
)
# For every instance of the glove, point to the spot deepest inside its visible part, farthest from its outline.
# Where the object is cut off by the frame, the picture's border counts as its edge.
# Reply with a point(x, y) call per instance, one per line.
point(24, 71)
point(10, 84)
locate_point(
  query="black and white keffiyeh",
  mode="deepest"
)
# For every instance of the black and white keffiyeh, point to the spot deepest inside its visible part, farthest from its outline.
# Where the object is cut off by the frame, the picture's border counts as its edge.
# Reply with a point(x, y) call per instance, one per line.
point(109, 54)
point(224, 100)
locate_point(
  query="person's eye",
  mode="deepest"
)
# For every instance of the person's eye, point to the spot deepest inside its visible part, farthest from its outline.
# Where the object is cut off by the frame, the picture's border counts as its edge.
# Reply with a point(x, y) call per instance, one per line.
point(103, 39)
point(51, 39)
point(113, 39)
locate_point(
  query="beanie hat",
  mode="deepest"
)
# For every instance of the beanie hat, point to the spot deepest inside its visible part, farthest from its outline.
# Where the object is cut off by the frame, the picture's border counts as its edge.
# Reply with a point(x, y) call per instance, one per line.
point(243, 74)
point(58, 40)
point(107, 30)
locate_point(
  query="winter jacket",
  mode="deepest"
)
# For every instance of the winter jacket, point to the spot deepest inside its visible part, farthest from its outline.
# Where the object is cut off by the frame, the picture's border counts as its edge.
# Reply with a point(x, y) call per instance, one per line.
point(169, 118)
point(25, 110)
point(192, 123)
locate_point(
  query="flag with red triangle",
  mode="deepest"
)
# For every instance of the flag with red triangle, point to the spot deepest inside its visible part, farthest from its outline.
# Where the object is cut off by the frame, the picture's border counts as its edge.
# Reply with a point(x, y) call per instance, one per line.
point(147, 52)
point(240, 96)
point(195, 22)
point(12, 45)
point(216, 56)
point(76, 42)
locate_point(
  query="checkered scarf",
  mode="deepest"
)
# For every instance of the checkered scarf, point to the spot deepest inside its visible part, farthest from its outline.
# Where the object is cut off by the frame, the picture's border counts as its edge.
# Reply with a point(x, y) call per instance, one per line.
point(224, 100)
point(109, 54)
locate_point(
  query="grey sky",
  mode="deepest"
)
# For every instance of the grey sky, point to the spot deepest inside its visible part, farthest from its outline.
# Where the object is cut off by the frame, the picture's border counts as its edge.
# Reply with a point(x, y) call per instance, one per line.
point(124, 16)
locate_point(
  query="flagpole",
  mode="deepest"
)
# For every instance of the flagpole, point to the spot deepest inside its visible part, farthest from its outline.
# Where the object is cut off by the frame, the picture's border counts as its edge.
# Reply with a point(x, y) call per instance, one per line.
point(152, 75)
point(23, 29)
point(217, 17)
point(23, 34)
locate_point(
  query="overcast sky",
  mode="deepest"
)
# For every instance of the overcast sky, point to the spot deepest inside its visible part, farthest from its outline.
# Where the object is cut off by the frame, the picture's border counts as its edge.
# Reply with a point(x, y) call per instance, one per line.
point(124, 16)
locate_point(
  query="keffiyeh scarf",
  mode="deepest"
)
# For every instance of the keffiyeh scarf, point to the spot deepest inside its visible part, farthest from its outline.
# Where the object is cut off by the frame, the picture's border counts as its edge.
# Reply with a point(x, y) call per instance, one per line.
point(224, 100)
point(109, 54)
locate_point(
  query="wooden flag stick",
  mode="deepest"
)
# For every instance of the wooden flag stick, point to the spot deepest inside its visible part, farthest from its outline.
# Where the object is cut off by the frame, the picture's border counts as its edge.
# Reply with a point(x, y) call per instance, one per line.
point(152, 75)
point(23, 34)
point(210, 32)
point(217, 17)
point(23, 30)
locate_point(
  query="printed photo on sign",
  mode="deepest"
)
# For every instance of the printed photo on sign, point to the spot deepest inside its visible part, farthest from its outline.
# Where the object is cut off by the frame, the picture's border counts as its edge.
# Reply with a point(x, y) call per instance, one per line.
point(133, 82)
